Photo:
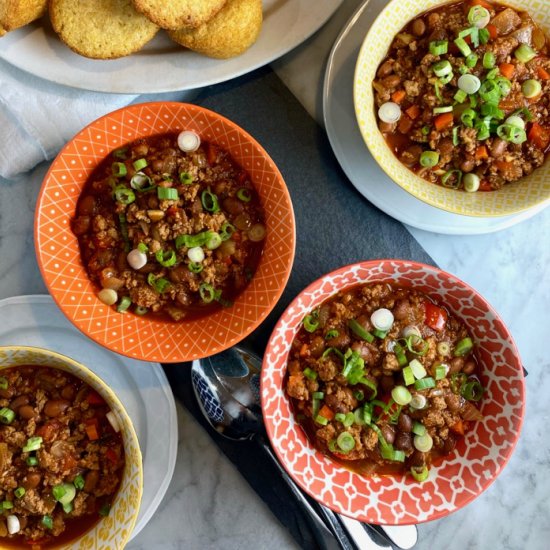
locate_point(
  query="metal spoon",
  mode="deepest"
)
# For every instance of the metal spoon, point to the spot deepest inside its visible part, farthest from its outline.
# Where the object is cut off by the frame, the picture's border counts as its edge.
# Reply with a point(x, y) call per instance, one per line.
point(227, 388)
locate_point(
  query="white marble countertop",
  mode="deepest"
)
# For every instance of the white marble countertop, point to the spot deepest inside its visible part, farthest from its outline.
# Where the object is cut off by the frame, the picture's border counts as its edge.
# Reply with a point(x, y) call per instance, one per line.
point(209, 505)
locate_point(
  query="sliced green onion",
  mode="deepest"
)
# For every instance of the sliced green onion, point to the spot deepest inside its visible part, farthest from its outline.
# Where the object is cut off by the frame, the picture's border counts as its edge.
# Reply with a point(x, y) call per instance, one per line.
point(380, 333)
point(425, 130)
point(479, 16)
point(7, 504)
point(104, 510)
point(346, 442)
point(489, 60)
point(210, 201)
point(452, 179)
point(33, 444)
point(469, 83)
point(418, 428)
point(6, 415)
point(401, 395)
point(428, 159)
point(47, 522)
point(140, 181)
point(311, 322)
point(490, 91)
point(19, 492)
point(358, 417)
point(160, 284)
point(425, 383)
point(195, 267)
point(310, 374)
point(119, 169)
point(143, 248)
point(515, 120)
point(167, 193)
point(463, 69)
point(358, 330)
point(492, 74)
point(214, 241)
point(418, 402)
point(511, 133)
point(471, 182)
point(123, 195)
point(318, 395)
point(32, 461)
point(471, 60)
point(531, 88)
point(207, 292)
point(331, 334)
point(442, 68)
point(124, 304)
point(504, 85)
point(68, 508)
point(370, 384)
point(244, 195)
point(456, 139)
point(472, 390)
point(460, 97)
point(340, 417)
point(140, 310)
point(400, 354)
point(463, 347)
point(349, 420)
point(420, 474)
point(440, 372)
point(120, 153)
point(139, 164)
point(332, 446)
point(525, 53)
point(483, 129)
point(445, 79)
point(3, 383)
point(423, 443)
point(458, 379)
point(185, 178)
point(79, 482)
point(408, 376)
point(439, 47)
point(328, 351)
point(441, 110)
point(461, 44)
point(64, 493)
point(491, 110)
point(321, 420)
point(166, 258)
point(227, 231)
point(417, 369)
point(444, 349)
point(468, 118)
point(484, 36)
point(359, 395)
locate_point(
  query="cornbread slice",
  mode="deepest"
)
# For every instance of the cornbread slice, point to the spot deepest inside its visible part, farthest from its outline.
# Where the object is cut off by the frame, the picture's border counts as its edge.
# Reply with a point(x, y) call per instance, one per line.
point(101, 29)
point(228, 34)
point(17, 13)
point(179, 13)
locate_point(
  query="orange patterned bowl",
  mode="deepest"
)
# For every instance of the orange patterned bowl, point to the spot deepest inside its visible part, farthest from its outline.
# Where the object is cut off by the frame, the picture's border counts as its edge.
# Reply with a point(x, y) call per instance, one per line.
point(461, 476)
point(59, 256)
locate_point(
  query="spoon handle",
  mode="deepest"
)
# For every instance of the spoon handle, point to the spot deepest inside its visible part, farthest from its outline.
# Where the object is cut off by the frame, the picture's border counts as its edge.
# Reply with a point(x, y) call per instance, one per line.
point(338, 538)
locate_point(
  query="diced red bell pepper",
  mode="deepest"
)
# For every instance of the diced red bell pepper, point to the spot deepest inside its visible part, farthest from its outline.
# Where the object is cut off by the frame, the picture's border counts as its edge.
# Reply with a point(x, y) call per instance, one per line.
point(436, 317)
point(92, 428)
point(95, 399)
point(111, 455)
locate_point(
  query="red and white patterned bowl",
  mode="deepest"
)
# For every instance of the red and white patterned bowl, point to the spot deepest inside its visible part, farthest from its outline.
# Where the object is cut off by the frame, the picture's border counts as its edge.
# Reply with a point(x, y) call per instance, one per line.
point(58, 253)
point(464, 474)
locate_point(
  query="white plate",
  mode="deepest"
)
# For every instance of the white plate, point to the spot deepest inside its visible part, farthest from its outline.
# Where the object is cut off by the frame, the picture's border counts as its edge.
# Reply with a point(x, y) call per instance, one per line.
point(354, 157)
point(142, 387)
point(162, 65)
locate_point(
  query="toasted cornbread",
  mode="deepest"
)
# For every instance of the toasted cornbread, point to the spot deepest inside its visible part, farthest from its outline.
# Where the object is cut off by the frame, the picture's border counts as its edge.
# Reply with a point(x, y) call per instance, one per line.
point(179, 13)
point(101, 29)
point(228, 34)
point(16, 13)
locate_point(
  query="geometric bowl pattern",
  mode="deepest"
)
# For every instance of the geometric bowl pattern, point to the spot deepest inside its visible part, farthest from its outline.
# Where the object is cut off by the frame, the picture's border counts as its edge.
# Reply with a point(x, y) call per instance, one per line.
point(59, 256)
point(113, 531)
point(512, 198)
point(461, 476)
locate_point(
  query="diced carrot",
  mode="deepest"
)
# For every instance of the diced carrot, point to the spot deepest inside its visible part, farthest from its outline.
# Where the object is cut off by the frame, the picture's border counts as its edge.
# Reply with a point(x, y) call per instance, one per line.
point(92, 428)
point(506, 70)
point(326, 412)
point(405, 125)
point(95, 399)
point(543, 74)
point(485, 186)
point(504, 165)
point(458, 427)
point(443, 121)
point(493, 31)
point(413, 112)
point(508, 105)
point(398, 96)
point(303, 350)
point(481, 3)
point(539, 136)
point(481, 153)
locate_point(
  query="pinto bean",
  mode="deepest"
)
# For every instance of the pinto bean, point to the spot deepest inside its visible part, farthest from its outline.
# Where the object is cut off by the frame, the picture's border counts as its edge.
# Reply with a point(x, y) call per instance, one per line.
point(90, 480)
point(385, 69)
point(233, 206)
point(418, 459)
point(340, 341)
point(55, 407)
point(469, 367)
point(68, 392)
point(140, 150)
point(418, 27)
point(403, 441)
point(19, 401)
point(411, 154)
point(317, 346)
point(498, 147)
point(26, 412)
point(467, 165)
point(404, 423)
point(449, 444)
point(391, 81)
point(32, 479)
point(81, 225)
point(86, 206)
point(454, 402)
point(402, 309)
point(388, 432)
point(445, 146)
point(386, 127)
point(457, 363)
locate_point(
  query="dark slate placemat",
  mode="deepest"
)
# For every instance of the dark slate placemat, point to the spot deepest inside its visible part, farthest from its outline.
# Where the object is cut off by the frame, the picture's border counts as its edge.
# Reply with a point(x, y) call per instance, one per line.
point(335, 226)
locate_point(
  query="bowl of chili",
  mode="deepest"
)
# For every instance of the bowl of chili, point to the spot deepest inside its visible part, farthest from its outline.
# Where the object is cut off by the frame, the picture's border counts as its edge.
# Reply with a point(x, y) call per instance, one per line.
point(392, 392)
point(69, 455)
point(165, 232)
point(452, 102)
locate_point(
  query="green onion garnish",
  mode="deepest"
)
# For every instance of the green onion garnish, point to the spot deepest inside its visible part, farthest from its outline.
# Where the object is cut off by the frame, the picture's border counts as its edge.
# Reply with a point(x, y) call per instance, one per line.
point(478, 16)
point(195, 267)
point(439, 47)
point(489, 60)
point(380, 333)
point(166, 258)
point(451, 179)
point(244, 195)
point(484, 36)
point(321, 420)
point(19, 492)
point(418, 428)
point(441, 110)
point(490, 92)
point(471, 60)
point(492, 74)
point(47, 522)
point(446, 79)
point(227, 231)
point(468, 117)
point(186, 178)
point(3, 383)
point(401, 395)
point(531, 88)
point(7, 505)
point(68, 508)
point(359, 395)
point(79, 482)
point(525, 53)
point(472, 390)
point(460, 96)
point(208, 293)
point(421, 473)
point(456, 140)
point(400, 354)
point(120, 153)
point(6, 415)
point(425, 130)
point(167, 193)
point(123, 195)
point(442, 68)
point(124, 304)
point(358, 330)
point(33, 444)
point(463, 347)
point(408, 376)
point(331, 334)
point(214, 240)
point(491, 110)
point(141, 182)
point(311, 322)
point(119, 169)
point(32, 461)
point(310, 374)
point(210, 201)
point(345, 442)
point(428, 159)
point(143, 248)
point(140, 310)
point(440, 372)
point(461, 44)
point(160, 284)
point(139, 164)
point(424, 383)
point(509, 132)
point(417, 369)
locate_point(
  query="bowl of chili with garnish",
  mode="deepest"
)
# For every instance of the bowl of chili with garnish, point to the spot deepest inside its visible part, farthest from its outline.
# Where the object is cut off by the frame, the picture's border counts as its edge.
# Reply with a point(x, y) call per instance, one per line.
point(165, 232)
point(453, 102)
point(392, 392)
point(70, 462)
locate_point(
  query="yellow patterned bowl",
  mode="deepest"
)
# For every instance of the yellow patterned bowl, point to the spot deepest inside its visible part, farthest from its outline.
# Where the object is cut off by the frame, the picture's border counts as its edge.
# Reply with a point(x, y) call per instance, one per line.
point(113, 531)
point(512, 198)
